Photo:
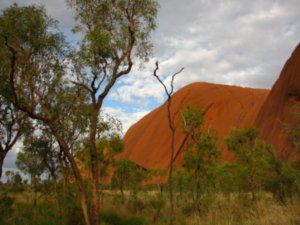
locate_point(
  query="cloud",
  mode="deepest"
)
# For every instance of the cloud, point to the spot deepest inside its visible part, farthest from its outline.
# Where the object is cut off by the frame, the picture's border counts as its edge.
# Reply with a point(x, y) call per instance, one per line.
point(236, 42)
point(222, 40)
point(127, 118)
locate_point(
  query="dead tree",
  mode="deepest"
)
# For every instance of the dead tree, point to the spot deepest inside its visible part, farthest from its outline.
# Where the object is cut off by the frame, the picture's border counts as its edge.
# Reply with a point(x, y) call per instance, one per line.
point(172, 128)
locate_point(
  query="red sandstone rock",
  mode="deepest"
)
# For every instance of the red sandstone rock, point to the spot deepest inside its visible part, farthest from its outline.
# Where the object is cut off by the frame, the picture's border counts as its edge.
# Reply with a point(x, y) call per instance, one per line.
point(276, 113)
point(148, 141)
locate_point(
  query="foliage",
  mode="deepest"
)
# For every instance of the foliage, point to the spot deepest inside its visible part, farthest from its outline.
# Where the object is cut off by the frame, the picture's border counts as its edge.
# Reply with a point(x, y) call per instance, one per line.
point(183, 181)
point(157, 203)
point(109, 143)
point(35, 63)
point(127, 175)
point(111, 218)
point(293, 130)
point(200, 158)
point(253, 156)
point(111, 29)
point(6, 208)
point(228, 178)
point(284, 180)
point(192, 119)
point(12, 123)
point(30, 162)
point(201, 161)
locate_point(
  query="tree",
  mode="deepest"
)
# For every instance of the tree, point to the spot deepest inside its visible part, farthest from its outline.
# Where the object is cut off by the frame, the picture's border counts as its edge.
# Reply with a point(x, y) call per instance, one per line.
point(172, 129)
point(283, 180)
point(35, 69)
point(9, 176)
point(113, 33)
point(44, 146)
point(124, 176)
point(30, 162)
point(253, 155)
point(202, 154)
point(183, 181)
point(17, 179)
point(128, 176)
point(12, 125)
point(109, 143)
point(192, 120)
point(201, 159)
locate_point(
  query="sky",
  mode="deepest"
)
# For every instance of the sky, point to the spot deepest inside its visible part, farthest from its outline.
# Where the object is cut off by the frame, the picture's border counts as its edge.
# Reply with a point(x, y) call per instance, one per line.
point(234, 42)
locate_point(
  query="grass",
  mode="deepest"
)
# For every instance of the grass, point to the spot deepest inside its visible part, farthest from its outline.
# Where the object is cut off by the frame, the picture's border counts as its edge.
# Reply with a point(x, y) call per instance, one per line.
point(152, 208)
point(221, 210)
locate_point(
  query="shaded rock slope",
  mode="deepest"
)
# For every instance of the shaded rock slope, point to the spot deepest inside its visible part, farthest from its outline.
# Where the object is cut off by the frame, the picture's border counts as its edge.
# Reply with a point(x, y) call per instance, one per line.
point(276, 113)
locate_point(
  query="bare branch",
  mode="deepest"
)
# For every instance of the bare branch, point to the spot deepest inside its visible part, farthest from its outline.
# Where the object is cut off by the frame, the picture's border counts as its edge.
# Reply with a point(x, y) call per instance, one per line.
point(172, 128)
point(168, 93)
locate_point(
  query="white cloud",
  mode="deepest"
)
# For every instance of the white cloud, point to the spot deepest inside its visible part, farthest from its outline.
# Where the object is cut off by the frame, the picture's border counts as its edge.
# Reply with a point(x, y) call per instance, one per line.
point(233, 42)
point(127, 118)
point(220, 41)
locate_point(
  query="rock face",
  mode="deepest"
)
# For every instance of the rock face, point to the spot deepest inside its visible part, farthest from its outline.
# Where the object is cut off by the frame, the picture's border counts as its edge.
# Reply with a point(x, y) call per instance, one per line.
point(276, 114)
point(148, 141)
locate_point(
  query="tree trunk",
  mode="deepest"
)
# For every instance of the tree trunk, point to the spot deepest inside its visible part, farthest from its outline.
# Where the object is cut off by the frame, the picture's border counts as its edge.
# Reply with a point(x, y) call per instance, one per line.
point(94, 157)
point(95, 192)
point(53, 174)
point(64, 178)
point(34, 180)
point(1, 164)
point(122, 194)
point(172, 128)
point(83, 194)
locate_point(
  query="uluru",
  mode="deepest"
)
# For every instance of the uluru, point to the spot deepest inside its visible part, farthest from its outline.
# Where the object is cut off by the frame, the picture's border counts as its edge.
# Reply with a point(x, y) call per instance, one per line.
point(276, 113)
point(226, 107)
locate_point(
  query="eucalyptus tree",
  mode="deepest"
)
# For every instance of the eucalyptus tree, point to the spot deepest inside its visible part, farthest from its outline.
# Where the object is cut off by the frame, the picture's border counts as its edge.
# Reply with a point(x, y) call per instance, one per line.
point(30, 162)
point(12, 121)
point(12, 125)
point(35, 67)
point(109, 143)
point(115, 33)
point(124, 176)
point(46, 149)
point(254, 156)
point(202, 154)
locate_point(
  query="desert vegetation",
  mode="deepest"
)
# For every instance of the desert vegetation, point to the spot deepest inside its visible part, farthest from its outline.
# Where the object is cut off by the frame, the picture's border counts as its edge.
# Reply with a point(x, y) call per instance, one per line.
point(256, 188)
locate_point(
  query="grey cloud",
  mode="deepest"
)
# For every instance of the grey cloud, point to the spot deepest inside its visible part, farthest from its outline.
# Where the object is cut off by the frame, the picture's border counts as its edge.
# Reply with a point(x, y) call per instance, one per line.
point(250, 40)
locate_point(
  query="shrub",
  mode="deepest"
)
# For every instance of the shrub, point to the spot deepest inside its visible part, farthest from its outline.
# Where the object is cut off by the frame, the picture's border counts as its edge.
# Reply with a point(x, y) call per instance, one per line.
point(6, 208)
point(111, 218)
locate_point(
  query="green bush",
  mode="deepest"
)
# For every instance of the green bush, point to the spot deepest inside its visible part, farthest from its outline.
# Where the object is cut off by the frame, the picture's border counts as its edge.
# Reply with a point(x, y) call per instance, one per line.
point(111, 218)
point(6, 208)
